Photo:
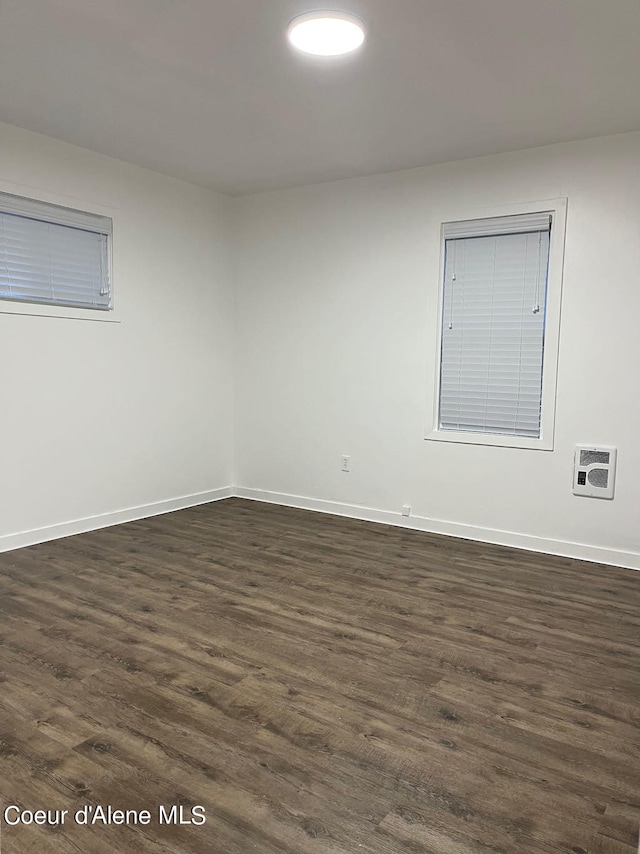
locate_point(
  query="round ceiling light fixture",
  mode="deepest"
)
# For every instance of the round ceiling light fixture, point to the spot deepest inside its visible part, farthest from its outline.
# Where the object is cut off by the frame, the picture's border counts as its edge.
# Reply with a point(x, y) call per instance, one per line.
point(326, 33)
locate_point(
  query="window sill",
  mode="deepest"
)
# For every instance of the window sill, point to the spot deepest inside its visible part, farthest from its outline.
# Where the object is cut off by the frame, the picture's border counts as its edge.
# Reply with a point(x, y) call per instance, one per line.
point(59, 311)
point(490, 439)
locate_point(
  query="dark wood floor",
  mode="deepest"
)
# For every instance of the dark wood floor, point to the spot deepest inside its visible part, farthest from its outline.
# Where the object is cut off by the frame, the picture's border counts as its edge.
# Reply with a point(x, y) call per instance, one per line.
point(318, 685)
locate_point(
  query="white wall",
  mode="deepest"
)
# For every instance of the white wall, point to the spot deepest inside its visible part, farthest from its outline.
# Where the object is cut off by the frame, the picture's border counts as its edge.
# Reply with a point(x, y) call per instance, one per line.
point(98, 418)
point(332, 352)
point(103, 421)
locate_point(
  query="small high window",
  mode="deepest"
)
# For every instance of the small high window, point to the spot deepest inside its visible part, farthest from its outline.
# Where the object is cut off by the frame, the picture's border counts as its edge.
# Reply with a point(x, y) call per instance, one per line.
point(52, 255)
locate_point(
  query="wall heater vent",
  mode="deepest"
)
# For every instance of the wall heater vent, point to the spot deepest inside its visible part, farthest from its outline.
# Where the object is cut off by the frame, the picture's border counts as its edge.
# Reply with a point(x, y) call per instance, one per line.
point(594, 471)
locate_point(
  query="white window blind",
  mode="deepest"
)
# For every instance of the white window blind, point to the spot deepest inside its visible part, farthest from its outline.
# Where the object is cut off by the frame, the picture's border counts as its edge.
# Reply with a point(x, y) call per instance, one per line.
point(54, 255)
point(493, 325)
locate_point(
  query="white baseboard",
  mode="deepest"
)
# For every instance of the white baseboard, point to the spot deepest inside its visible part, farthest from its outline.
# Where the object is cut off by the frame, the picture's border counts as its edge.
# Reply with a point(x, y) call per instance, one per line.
point(579, 551)
point(105, 520)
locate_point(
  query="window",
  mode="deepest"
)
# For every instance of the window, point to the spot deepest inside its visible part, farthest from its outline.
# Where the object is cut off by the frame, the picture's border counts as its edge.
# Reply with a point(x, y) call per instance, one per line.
point(52, 255)
point(497, 337)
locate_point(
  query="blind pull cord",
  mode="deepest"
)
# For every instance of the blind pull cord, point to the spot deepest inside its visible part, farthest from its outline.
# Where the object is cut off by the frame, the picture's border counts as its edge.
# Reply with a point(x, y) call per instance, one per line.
point(536, 306)
point(453, 278)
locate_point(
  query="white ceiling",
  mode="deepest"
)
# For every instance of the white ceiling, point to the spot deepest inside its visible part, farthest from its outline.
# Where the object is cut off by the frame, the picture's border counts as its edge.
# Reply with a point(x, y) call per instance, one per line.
point(209, 91)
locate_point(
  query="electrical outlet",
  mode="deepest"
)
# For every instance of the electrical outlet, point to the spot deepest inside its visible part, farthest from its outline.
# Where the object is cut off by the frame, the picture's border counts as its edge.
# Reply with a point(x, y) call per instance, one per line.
point(406, 510)
point(346, 462)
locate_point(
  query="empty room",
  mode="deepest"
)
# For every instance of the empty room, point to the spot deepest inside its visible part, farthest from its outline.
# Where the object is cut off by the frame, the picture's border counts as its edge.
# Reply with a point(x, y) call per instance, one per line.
point(320, 482)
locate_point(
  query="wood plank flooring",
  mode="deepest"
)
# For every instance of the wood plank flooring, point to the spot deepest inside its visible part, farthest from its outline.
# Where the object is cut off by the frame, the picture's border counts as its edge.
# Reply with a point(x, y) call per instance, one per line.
point(320, 686)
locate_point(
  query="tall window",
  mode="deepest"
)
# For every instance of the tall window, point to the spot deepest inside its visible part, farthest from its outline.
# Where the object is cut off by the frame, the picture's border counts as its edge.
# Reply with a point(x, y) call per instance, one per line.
point(53, 255)
point(494, 337)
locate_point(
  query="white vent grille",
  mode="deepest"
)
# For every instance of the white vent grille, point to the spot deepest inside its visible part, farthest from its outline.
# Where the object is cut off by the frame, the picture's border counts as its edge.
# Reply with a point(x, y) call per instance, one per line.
point(589, 458)
point(594, 471)
point(598, 478)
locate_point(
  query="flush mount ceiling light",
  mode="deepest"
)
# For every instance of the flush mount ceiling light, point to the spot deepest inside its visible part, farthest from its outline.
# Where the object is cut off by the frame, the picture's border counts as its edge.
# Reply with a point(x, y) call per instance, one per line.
point(326, 33)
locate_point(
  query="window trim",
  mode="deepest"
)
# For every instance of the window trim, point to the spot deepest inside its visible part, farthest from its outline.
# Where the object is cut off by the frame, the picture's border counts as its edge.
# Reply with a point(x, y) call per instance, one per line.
point(558, 210)
point(35, 309)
